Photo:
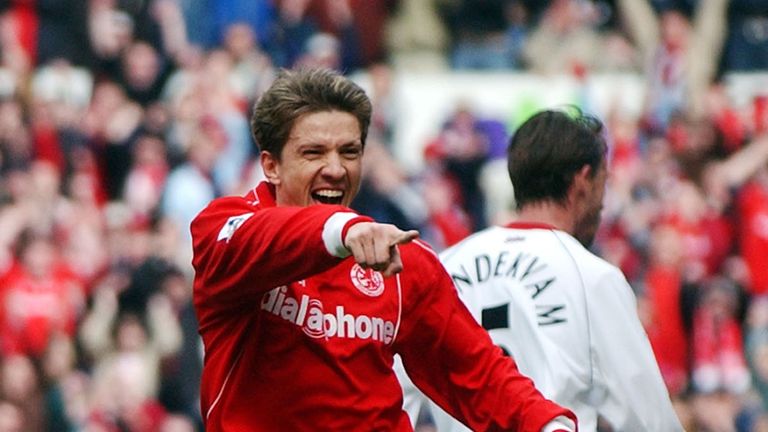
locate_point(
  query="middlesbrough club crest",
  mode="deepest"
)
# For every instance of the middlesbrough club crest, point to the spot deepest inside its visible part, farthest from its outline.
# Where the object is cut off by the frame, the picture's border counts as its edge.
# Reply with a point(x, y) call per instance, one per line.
point(367, 281)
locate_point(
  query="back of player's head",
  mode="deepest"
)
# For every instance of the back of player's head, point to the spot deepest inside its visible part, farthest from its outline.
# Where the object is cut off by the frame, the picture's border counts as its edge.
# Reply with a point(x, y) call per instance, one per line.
point(548, 149)
point(304, 91)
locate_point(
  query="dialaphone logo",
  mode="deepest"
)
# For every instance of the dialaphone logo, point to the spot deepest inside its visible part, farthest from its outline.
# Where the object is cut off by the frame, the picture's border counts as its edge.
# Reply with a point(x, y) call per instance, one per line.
point(367, 281)
point(307, 313)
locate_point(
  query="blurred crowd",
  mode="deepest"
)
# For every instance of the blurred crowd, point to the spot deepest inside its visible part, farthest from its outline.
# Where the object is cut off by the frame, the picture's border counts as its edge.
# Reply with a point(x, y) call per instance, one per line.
point(121, 119)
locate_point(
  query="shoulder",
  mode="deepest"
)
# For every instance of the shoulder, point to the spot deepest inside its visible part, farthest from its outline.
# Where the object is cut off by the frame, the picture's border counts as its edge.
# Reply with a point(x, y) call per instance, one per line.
point(481, 240)
point(421, 264)
point(594, 270)
point(222, 209)
point(418, 250)
point(583, 256)
point(227, 204)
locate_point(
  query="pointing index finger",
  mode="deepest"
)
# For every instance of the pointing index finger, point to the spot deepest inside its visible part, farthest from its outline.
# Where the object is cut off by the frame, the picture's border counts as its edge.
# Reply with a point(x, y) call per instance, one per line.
point(407, 236)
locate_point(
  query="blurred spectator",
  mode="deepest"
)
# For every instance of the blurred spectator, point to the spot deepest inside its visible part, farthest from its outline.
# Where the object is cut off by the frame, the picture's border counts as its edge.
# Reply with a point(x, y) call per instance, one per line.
point(60, 95)
point(705, 234)
point(448, 221)
point(416, 36)
point(190, 187)
point(202, 102)
point(11, 417)
point(756, 346)
point(718, 359)
point(359, 26)
point(20, 387)
point(316, 33)
point(181, 372)
point(110, 29)
point(382, 97)
point(485, 34)
point(566, 39)
point(173, 29)
point(459, 152)
point(340, 22)
point(15, 137)
point(753, 230)
point(253, 71)
point(177, 423)
point(746, 48)
point(680, 56)
point(126, 369)
point(49, 29)
point(109, 124)
point(18, 37)
point(60, 82)
point(386, 194)
point(146, 179)
point(663, 318)
point(64, 408)
point(292, 29)
point(81, 229)
point(719, 371)
point(257, 16)
point(323, 50)
point(40, 297)
point(142, 72)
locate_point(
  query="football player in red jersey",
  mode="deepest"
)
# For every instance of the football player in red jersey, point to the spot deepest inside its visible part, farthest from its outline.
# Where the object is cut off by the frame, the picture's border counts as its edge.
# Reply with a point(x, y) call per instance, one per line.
point(302, 302)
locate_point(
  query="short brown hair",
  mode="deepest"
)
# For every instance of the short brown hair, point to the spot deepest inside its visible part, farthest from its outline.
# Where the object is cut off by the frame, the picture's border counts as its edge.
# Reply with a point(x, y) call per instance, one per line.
point(303, 91)
point(548, 149)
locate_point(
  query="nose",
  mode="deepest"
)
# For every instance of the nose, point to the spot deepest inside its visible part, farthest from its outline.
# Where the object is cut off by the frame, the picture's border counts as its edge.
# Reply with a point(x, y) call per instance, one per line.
point(334, 167)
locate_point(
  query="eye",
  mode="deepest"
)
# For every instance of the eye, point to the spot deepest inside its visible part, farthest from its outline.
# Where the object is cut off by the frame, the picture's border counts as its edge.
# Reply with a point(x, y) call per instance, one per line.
point(352, 152)
point(311, 153)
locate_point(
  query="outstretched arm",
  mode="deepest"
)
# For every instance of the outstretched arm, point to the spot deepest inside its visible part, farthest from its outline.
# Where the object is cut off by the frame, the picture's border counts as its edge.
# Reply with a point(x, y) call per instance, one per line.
point(743, 164)
point(257, 249)
point(642, 25)
point(451, 358)
point(706, 45)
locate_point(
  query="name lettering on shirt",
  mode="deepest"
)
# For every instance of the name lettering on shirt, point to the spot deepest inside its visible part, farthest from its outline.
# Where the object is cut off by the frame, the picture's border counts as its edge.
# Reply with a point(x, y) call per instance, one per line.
point(525, 268)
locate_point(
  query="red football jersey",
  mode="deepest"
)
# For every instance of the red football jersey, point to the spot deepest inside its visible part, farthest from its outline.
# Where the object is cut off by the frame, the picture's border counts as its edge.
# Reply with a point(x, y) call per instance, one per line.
point(298, 338)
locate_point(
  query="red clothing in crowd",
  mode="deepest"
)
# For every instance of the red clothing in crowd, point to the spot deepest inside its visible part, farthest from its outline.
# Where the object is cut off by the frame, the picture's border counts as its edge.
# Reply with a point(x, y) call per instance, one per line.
point(718, 354)
point(706, 241)
point(753, 226)
point(298, 339)
point(35, 308)
point(666, 331)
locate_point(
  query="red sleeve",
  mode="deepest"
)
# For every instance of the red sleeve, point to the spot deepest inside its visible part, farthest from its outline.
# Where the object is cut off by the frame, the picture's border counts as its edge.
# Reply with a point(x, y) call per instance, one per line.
point(453, 360)
point(241, 251)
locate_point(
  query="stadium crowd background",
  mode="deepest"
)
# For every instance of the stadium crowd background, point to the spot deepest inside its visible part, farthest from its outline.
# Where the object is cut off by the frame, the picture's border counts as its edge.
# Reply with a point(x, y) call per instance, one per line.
point(121, 119)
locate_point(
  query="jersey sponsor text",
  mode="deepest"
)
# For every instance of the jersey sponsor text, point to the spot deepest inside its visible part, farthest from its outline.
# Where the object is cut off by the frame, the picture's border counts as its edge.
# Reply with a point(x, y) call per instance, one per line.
point(308, 313)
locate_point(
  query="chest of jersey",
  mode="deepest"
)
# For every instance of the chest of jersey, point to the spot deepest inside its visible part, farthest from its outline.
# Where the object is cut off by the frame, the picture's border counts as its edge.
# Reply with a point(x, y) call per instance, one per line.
point(346, 306)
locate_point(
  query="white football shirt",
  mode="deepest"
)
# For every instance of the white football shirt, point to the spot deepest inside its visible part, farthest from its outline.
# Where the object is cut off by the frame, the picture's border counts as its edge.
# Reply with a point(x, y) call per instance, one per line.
point(568, 317)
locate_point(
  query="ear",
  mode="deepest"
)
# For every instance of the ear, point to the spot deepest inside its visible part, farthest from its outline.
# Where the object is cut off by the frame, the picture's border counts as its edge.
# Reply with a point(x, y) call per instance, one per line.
point(271, 167)
point(581, 184)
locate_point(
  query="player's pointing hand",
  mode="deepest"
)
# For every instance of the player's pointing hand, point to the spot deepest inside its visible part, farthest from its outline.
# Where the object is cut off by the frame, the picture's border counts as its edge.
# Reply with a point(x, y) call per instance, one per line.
point(374, 245)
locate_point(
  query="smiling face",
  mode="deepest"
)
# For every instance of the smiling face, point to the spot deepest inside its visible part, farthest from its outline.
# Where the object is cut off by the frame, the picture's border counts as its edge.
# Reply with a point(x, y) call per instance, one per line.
point(320, 163)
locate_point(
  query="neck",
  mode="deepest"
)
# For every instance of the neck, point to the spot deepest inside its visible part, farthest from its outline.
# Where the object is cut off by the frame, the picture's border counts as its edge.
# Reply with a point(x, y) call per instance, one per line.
point(550, 213)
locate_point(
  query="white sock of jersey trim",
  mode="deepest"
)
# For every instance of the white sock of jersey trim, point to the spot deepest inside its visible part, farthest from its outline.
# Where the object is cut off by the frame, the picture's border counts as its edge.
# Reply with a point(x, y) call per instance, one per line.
point(332, 233)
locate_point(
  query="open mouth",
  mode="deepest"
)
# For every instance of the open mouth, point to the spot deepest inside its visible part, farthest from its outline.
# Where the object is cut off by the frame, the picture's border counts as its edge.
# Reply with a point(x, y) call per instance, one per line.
point(328, 196)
